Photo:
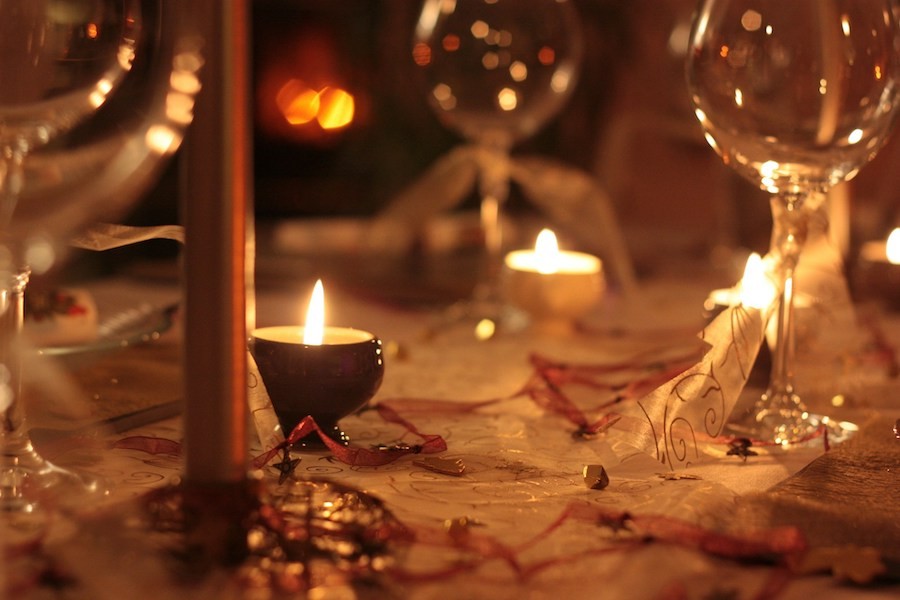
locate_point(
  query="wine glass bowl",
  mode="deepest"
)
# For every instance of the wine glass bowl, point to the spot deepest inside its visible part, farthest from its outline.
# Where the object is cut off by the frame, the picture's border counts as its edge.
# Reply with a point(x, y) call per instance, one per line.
point(496, 71)
point(797, 97)
point(95, 94)
point(60, 63)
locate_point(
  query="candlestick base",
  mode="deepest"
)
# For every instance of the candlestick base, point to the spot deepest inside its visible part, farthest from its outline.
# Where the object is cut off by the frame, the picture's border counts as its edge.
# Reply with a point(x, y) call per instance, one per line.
point(216, 519)
point(280, 540)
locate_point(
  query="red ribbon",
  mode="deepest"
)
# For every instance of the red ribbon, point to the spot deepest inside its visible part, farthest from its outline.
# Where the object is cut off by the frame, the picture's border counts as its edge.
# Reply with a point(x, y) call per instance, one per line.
point(544, 388)
point(148, 444)
point(773, 545)
point(356, 456)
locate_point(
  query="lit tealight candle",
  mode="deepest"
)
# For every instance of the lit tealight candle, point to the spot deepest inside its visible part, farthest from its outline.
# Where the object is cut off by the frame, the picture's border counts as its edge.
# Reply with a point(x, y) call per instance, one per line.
point(553, 286)
point(324, 372)
point(755, 290)
point(879, 268)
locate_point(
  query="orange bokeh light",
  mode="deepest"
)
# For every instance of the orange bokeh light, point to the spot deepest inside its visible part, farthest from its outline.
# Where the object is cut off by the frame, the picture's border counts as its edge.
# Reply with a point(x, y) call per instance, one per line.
point(298, 103)
point(421, 54)
point(450, 42)
point(336, 108)
point(546, 55)
point(330, 107)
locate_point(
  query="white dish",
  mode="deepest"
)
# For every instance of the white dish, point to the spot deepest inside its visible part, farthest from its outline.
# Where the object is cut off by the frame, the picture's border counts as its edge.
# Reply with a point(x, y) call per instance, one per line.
point(131, 327)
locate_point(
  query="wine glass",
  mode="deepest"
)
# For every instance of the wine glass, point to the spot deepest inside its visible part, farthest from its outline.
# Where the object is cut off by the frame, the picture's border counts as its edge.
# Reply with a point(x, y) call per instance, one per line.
point(95, 94)
point(495, 71)
point(796, 96)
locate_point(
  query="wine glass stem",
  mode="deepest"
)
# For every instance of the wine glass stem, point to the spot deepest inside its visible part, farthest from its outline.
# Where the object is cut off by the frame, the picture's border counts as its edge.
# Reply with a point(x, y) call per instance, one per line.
point(790, 236)
point(782, 376)
point(11, 320)
point(12, 161)
point(493, 188)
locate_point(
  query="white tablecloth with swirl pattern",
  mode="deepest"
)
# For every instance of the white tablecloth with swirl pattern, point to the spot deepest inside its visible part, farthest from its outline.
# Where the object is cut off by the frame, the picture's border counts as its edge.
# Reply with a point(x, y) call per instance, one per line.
point(523, 466)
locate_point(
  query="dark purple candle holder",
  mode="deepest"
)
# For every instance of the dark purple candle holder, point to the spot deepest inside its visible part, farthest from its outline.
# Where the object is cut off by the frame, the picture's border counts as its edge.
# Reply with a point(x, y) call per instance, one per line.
point(327, 382)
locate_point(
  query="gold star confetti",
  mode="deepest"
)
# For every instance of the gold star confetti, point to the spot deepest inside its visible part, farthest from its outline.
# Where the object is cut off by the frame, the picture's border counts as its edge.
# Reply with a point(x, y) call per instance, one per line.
point(286, 467)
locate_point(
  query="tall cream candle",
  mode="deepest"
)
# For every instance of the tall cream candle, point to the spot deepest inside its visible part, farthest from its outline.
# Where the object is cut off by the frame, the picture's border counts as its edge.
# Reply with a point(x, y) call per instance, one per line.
point(215, 213)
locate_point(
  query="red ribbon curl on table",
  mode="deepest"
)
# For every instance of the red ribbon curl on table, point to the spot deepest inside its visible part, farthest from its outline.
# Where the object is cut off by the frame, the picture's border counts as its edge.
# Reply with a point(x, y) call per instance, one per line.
point(148, 444)
point(544, 388)
point(356, 456)
point(774, 545)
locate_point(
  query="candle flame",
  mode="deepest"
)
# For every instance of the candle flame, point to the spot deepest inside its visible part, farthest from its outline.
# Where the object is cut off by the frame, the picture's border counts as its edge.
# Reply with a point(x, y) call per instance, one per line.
point(546, 251)
point(757, 289)
point(893, 247)
point(314, 331)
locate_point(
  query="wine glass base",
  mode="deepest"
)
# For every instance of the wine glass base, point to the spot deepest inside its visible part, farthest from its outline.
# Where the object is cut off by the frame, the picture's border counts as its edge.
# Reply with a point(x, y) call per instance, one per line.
point(28, 482)
point(484, 317)
point(782, 419)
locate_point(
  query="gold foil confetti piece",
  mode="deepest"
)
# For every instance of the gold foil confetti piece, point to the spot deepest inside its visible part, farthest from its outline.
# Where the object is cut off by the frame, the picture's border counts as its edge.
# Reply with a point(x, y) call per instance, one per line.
point(459, 526)
point(444, 466)
point(595, 477)
point(677, 476)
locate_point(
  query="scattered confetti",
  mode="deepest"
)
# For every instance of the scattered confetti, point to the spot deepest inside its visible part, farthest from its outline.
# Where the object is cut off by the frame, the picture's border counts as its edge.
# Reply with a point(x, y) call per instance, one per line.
point(595, 477)
point(677, 476)
point(286, 467)
point(445, 466)
point(459, 526)
point(741, 447)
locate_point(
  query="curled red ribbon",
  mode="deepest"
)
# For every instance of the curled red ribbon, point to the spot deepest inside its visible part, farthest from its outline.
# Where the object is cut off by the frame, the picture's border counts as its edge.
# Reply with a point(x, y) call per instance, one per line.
point(354, 455)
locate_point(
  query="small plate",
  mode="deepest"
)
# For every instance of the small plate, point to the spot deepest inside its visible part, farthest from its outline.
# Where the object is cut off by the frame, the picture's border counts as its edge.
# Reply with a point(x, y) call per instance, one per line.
point(131, 327)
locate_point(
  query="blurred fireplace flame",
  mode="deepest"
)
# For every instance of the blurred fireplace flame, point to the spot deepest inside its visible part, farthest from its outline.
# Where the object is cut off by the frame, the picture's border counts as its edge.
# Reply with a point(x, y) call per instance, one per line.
point(330, 107)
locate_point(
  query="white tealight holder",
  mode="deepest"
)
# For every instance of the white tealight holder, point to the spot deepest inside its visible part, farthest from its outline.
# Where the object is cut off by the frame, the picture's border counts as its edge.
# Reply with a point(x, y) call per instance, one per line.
point(555, 288)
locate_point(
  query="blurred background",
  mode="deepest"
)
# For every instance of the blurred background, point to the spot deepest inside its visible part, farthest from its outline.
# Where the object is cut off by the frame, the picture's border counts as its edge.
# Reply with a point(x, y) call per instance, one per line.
point(371, 133)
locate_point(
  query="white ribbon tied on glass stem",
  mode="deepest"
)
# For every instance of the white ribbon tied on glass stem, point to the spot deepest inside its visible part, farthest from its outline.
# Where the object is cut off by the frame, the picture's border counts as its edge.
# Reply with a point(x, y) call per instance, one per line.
point(570, 197)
